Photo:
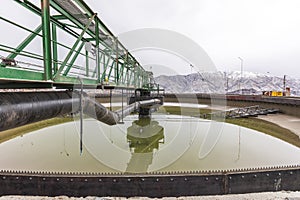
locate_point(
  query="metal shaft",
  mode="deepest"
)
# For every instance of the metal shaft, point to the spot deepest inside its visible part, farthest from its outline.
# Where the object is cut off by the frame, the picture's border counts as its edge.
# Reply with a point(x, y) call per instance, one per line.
point(17, 109)
point(21, 108)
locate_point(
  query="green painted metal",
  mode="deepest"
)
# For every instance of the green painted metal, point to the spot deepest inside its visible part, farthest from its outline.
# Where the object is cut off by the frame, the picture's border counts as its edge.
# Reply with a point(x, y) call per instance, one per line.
point(19, 74)
point(73, 48)
point(132, 75)
point(85, 7)
point(106, 66)
point(107, 61)
point(54, 49)
point(45, 4)
point(111, 69)
point(70, 17)
point(96, 69)
point(97, 51)
point(23, 45)
point(125, 68)
point(74, 80)
point(17, 25)
point(11, 50)
point(36, 10)
point(117, 61)
point(87, 63)
point(73, 59)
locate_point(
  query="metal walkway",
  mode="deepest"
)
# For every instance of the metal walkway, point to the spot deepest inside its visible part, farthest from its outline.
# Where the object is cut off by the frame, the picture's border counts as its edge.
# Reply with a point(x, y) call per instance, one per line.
point(94, 53)
point(244, 112)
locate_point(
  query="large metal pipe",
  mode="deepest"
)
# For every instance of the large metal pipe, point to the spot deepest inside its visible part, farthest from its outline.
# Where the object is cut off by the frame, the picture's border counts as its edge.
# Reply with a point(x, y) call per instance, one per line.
point(21, 108)
point(135, 106)
point(99, 112)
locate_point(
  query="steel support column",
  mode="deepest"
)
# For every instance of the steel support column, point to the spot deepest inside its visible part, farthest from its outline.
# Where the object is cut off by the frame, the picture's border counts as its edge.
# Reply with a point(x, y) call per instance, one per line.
point(54, 48)
point(45, 5)
point(97, 51)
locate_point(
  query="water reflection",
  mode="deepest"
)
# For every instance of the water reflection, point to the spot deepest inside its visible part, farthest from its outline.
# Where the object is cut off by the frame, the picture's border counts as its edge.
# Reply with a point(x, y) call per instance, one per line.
point(144, 137)
point(164, 143)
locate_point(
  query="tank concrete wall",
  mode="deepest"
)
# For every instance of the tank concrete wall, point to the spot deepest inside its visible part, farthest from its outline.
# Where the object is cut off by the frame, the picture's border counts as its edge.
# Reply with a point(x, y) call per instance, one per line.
point(159, 185)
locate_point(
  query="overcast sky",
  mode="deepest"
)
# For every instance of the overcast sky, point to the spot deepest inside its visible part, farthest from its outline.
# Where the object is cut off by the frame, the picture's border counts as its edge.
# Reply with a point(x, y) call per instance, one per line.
point(264, 33)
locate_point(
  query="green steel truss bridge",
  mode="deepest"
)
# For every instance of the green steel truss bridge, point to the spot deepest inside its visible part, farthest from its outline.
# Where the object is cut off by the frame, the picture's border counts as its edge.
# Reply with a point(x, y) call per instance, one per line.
point(74, 43)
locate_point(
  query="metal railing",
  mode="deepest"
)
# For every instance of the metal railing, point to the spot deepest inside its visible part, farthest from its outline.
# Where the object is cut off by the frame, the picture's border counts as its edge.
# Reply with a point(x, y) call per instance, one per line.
point(75, 43)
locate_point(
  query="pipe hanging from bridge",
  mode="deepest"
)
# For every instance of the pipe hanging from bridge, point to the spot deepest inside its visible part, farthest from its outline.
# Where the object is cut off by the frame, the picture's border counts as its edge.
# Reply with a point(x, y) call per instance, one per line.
point(21, 108)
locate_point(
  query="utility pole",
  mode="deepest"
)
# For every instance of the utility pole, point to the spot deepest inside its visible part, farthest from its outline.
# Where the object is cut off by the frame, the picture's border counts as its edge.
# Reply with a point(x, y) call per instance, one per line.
point(284, 83)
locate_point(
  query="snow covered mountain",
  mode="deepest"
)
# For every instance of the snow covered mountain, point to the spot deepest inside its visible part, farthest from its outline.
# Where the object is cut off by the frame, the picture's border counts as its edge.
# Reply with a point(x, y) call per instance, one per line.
point(226, 82)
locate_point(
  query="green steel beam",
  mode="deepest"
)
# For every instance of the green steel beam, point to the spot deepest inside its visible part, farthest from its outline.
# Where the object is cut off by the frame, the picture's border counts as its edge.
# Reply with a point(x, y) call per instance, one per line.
point(126, 77)
point(24, 44)
point(130, 77)
point(19, 74)
point(18, 25)
point(111, 68)
point(87, 63)
point(134, 74)
point(127, 68)
point(73, 59)
point(70, 17)
point(97, 51)
point(37, 11)
point(45, 4)
point(73, 48)
point(54, 48)
point(78, 23)
point(59, 17)
point(104, 74)
point(117, 62)
point(74, 80)
point(95, 70)
point(23, 53)
point(29, 6)
point(85, 7)
point(121, 80)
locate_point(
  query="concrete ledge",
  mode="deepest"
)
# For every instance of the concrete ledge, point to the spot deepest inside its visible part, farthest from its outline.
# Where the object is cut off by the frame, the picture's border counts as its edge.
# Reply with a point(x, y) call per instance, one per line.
point(287, 105)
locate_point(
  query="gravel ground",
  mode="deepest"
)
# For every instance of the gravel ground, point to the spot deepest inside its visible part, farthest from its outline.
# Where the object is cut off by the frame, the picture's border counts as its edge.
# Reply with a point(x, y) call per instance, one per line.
point(253, 196)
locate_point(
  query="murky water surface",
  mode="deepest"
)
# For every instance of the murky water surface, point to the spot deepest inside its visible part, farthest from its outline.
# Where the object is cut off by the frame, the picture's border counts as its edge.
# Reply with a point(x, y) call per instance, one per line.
point(163, 143)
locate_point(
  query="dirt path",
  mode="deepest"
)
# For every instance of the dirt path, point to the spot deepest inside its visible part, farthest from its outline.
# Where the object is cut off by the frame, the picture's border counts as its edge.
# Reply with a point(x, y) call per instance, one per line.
point(285, 121)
